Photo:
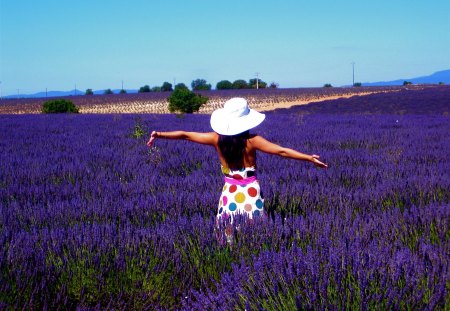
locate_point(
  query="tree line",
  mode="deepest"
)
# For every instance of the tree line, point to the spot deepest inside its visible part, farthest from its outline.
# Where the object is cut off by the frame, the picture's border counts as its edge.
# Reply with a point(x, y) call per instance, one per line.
point(200, 85)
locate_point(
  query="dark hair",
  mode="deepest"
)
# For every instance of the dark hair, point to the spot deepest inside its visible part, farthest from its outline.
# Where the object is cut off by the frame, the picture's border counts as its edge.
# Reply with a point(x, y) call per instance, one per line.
point(232, 149)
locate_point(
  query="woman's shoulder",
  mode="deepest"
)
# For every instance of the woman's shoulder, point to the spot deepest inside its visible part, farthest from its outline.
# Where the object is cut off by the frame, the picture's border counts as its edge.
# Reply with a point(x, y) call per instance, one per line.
point(255, 138)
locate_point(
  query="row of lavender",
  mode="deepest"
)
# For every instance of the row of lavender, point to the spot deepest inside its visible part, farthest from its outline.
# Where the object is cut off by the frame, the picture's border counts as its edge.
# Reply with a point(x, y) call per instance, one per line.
point(427, 100)
point(91, 218)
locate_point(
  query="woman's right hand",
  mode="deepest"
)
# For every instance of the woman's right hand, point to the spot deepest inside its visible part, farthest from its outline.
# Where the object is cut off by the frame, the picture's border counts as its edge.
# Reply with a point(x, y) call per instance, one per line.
point(152, 139)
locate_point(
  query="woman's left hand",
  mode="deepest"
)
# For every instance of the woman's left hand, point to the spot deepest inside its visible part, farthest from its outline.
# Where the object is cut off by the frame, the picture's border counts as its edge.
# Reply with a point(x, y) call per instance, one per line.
point(152, 139)
point(315, 160)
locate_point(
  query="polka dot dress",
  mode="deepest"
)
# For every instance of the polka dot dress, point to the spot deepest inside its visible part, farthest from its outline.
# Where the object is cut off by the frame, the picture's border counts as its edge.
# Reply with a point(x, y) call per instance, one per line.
point(241, 193)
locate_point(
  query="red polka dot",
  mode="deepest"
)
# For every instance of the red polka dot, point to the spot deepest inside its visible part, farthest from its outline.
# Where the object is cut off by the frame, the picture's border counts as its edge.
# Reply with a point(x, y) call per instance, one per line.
point(238, 177)
point(252, 192)
point(233, 188)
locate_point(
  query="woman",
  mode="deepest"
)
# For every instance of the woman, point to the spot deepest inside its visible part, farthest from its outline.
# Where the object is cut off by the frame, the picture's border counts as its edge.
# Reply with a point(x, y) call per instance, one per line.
point(236, 149)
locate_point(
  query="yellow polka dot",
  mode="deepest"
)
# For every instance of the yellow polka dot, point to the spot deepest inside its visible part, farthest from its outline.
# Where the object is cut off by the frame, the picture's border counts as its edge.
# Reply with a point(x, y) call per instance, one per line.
point(239, 197)
point(225, 188)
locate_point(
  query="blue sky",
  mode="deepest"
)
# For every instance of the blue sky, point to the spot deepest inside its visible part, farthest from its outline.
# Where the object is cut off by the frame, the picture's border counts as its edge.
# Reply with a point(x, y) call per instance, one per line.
point(58, 44)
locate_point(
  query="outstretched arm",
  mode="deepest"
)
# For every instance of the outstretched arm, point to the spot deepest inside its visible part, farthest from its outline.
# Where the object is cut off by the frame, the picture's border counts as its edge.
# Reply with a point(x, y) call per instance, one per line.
point(201, 138)
point(262, 144)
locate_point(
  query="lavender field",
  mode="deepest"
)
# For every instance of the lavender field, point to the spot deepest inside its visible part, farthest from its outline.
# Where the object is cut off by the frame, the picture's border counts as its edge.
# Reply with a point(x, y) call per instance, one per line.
point(157, 102)
point(93, 219)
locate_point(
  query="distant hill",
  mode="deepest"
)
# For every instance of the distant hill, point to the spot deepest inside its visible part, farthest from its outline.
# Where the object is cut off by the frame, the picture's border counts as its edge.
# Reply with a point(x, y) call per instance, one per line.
point(64, 93)
point(435, 78)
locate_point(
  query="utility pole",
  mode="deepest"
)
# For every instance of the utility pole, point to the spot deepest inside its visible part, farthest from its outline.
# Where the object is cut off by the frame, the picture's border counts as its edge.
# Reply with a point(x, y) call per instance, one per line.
point(353, 70)
point(257, 78)
point(122, 85)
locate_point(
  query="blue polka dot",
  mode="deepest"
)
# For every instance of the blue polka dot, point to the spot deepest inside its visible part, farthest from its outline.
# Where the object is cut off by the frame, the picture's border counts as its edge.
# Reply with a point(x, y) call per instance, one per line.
point(220, 210)
point(232, 207)
point(243, 186)
point(256, 213)
point(259, 203)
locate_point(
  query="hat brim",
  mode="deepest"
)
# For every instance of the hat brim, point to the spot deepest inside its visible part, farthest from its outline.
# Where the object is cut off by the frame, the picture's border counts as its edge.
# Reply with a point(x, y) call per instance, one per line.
point(223, 125)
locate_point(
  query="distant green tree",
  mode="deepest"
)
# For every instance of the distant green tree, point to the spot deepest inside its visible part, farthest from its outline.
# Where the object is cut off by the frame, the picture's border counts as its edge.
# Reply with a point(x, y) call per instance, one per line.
point(327, 85)
point(261, 84)
point(166, 87)
point(441, 83)
point(273, 85)
point(200, 84)
point(122, 91)
point(357, 84)
point(144, 89)
point(186, 101)
point(240, 84)
point(407, 83)
point(59, 106)
point(89, 92)
point(108, 91)
point(224, 85)
point(181, 86)
point(156, 89)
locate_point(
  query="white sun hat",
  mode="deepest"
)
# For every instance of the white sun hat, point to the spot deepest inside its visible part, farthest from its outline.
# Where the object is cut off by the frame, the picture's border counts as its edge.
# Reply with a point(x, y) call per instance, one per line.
point(235, 117)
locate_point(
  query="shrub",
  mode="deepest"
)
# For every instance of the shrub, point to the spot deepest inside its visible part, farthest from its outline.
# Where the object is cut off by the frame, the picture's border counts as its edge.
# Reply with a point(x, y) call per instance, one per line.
point(144, 89)
point(224, 85)
point(59, 106)
point(327, 85)
point(274, 85)
point(166, 87)
point(240, 84)
point(186, 101)
point(257, 83)
point(108, 91)
point(200, 84)
point(181, 86)
point(89, 92)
